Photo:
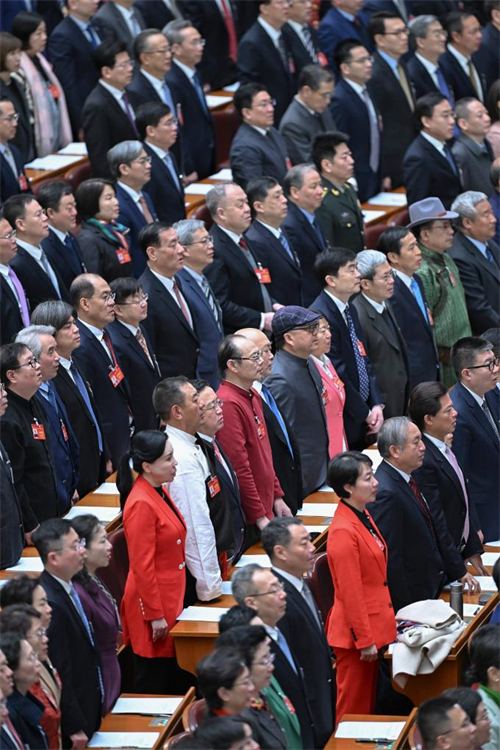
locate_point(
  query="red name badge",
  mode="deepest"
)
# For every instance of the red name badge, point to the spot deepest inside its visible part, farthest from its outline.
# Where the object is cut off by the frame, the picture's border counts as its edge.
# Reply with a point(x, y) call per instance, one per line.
point(116, 376)
point(213, 486)
point(123, 256)
point(452, 278)
point(54, 91)
point(325, 397)
point(288, 162)
point(431, 317)
point(361, 348)
point(338, 382)
point(322, 59)
point(64, 432)
point(263, 275)
point(261, 431)
point(23, 183)
point(38, 431)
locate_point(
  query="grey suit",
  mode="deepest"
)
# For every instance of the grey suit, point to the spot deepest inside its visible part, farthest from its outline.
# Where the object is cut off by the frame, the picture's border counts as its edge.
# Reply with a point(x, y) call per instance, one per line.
point(112, 20)
point(388, 357)
point(255, 155)
point(474, 164)
point(299, 127)
point(296, 385)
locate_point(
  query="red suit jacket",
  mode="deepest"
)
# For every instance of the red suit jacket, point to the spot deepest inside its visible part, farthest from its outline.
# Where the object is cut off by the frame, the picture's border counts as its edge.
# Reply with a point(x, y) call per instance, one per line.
point(362, 612)
point(156, 580)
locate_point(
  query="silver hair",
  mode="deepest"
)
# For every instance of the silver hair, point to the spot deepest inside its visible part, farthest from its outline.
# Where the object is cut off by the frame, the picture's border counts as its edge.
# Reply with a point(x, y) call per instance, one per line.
point(123, 153)
point(172, 31)
point(465, 205)
point(242, 582)
point(186, 229)
point(30, 337)
point(216, 196)
point(367, 262)
point(394, 431)
point(420, 25)
point(295, 176)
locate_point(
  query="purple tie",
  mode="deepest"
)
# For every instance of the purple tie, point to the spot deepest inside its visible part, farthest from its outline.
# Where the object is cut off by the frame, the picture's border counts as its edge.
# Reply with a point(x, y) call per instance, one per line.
point(21, 297)
point(128, 111)
point(453, 461)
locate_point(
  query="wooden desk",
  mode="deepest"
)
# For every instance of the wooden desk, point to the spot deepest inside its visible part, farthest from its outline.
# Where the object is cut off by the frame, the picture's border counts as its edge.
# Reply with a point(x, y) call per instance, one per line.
point(37, 175)
point(389, 211)
point(402, 743)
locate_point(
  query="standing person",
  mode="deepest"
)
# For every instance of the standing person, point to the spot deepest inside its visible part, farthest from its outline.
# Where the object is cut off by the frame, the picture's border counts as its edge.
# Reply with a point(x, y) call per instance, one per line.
point(362, 620)
point(13, 176)
point(156, 534)
point(429, 43)
point(472, 150)
point(14, 306)
point(12, 529)
point(10, 62)
point(459, 63)
point(98, 603)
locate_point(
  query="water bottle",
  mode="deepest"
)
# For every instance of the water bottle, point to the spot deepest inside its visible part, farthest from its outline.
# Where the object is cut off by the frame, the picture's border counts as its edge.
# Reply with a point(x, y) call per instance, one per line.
point(457, 598)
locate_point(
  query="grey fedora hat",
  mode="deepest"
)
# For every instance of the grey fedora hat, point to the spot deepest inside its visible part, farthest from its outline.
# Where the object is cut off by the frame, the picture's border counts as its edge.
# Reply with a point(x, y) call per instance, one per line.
point(428, 209)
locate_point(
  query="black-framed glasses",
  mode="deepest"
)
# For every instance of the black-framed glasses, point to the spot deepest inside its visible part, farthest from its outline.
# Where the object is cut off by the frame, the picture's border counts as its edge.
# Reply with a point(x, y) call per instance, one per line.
point(490, 365)
point(33, 362)
point(205, 241)
point(314, 328)
point(277, 589)
point(399, 32)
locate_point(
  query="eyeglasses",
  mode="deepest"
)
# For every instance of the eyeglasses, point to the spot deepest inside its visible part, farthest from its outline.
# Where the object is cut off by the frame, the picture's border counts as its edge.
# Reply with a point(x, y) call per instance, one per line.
point(314, 328)
point(142, 160)
point(277, 589)
point(464, 725)
point(217, 404)
point(40, 632)
point(33, 362)
point(109, 297)
point(490, 365)
point(386, 277)
point(122, 65)
point(198, 42)
point(11, 118)
point(267, 660)
point(252, 358)
point(266, 103)
point(399, 32)
point(79, 544)
point(41, 212)
point(205, 241)
point(362, 60)
point(140, 301)
point(10, 236)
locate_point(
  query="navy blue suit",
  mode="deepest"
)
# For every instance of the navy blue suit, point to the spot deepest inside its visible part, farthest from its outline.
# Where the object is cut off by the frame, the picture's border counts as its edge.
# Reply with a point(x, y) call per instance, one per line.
point(477, 448)
point(460, 83)
point(489, 55)
point(427, 173)
point(11, 321)
point(68, 264)
point(209, 333)
point(307, 244)
point(422, 81)
point(351, 116)
point(286, 276)
point(255, 155)
point(334, 28)
point(9, 183)
point(417, 332)
point(216, 67)
point(35, 281)
point(167, 197)
point(133, 218)
point(342, 355)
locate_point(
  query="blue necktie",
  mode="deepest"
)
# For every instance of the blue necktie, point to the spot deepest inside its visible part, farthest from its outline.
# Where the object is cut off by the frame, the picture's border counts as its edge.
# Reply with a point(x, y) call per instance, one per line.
point(79, 608)
point(92, 36)
point(443, 86)
point(85, 395)
point(364, 381)
point(490, 256)
point(199, 91)
point(170, 166)
point(167, 98)
point(286, 245)
point(420, 300)
point(317, 228)
point(270, 401)
point(73, 258)
point(50, 273)
point(449, 159)
point(282, 643)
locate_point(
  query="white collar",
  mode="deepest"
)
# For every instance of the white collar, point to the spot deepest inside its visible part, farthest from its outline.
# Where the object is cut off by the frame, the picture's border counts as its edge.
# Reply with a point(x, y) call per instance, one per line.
point(297, 582)
point(157, 83)
point(275, 35)
point(438, 145)
point(66, 363)
point(158, 151)
point(273, 230)
point(98, 332)
point(262, 131)
point(116, 93)
point(405, 476)
point(136, 196)
point(379, 306)
point(235, 237)
point(341, 305)
point(257, 385)
point(196, 276)
point(296, 26)
point(133, 329)
point(430, 67)
point(358, 88)
point(35, 252)
point(190, 72)
point(66, 586)
point(4, 270)
point(404, 277)
point(478, 399)
point(168, 283)
point(464, 61)
point(272, 632)
point(181, 435)
point(60, 235)
point(440, 444)
point(127, 13)
point(303, 104)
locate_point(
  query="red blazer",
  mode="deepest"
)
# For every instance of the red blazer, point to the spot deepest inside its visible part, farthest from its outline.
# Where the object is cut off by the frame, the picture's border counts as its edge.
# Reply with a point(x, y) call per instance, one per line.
point(156, 580)
point(362, 612)
point(334, 409)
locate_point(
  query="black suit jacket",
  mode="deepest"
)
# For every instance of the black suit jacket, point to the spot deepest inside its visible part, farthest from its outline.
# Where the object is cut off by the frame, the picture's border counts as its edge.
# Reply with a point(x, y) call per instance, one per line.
point(230, 489)
point(11, 521)
point(255, 155)
point(113, 403)
point(99, 253)
point(216, 67)
point(307, 245)
point(388, 356)
point(421, 80)
point(415, 569)
point(24, 137)
point(11, 321)
point(481, 282)
point(35, 281)
point(76, 660)
point(300, 55)
point(155, 13)
point(132, 217)
point(460, 83)
point(417, 332)
point(259, 60)
point(142, 376)
point(175, 343)
point(298, 128)
point(310, 647)
point(286, 276)
point(167, 197)
point(287, 467)
point(489, 55)
point(104, 125)
point(62, 260)
point(399, 126)
point(427, 173)
point(112, 20)
point(9, 183)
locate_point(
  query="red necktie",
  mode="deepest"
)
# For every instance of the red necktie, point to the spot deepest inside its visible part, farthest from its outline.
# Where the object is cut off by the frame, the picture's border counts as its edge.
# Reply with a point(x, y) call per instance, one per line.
point(231, 31)
point(181, 302)
point(423, 506)
point(13, 732)
point(107, 340)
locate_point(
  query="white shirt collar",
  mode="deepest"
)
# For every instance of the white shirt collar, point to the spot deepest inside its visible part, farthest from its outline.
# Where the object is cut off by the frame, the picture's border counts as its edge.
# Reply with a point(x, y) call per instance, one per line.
point(440, 444)
point(133, 329)
point(257, 385)
point(273, 230)
point(341, 305)
point(157, 83)
point(35, 252)
point(190, 72)
point(133, 193)
point(405, 476)
point(118, 95)
point(4, 270)
point(168, 283)
point(235, 237)
point(379, 306)
point(358, 88)
point(297, 582)
point(98, 333)
point(66, 363)
point(158, 151)
point(60, 235)
point(298, 27)
point(478, 399)
point(66, 586)
point(458, 55)
point(272, 632)
point(198, 277)
point(259, 130)
point(303, 104)
point(438, 145)
point(430, 67)
point(275, 35)
point(181, 435)
point(127, 13)
point(404, 277)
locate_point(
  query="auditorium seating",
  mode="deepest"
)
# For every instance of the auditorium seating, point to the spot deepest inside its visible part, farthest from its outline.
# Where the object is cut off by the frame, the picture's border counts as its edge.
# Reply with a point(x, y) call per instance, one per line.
point(115, 575)
point(321, 584)
point(194, 715)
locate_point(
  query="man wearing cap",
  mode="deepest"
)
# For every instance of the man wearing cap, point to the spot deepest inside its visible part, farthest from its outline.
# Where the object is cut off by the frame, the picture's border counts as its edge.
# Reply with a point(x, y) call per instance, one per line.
point(297, 387)
point(432, 226)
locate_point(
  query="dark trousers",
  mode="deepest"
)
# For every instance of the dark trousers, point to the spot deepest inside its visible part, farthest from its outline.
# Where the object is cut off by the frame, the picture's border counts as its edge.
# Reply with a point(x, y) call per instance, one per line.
point(161, 676)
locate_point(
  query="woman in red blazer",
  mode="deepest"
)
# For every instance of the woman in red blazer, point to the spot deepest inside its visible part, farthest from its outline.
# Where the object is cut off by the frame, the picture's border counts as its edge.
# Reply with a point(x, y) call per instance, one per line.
point(154, 592)
point(361, 621)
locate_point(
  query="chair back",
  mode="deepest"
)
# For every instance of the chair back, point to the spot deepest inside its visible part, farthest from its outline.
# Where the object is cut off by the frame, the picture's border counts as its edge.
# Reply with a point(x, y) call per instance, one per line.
point(115, 575)
point(226, 124)
point(320, 581)
point(171, 743)
point(46, 181)
point(203, 214)
point(415, 739)
point(78, 174)
point(372, 234)
point(194, 714)
point(402, 218)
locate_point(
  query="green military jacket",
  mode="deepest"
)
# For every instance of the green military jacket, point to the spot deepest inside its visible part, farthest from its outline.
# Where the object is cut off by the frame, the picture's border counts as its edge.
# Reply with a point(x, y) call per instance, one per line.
point(340, 216)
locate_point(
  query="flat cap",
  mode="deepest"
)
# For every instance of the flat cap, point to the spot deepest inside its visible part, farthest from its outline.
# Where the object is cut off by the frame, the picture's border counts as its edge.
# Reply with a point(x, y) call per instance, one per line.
point(290, 317)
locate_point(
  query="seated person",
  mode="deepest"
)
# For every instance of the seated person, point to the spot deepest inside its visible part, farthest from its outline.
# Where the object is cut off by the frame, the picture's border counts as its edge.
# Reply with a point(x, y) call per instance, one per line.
point(485, 670)
point(224, 681)
point(225, 733)
point(472, 703)
point(444, 725)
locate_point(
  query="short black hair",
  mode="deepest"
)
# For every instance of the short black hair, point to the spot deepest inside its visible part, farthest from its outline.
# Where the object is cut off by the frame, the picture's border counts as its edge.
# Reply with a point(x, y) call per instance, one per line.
point(492, 335)
point(150, 113)
point(343, 51)
point(229, 348)
point(24, 25)
point(484, 653)
point(9, 359)
point(391, 238)
point(426, 399)
point(87, 196)
point(81, 287)
point(329, 262)
point(150, 235)
point(454, 22)
point(124, 287)
point(51, 193)
point(425, 105)
point(14, 207)
point(244, 97)
point(18, 590)
point(53, 312)
point(221, 731)
point(325, 146)
point(258, 190)
point(199, 384)
point(104, 56)
point(467, 698)
point(245, 638)
point(49, 535)
point(10, 645)
point(277, 532)
point(345, 468)
point(168, 393)
point(376, 24)
point(313, 76)
point(219, 669)
point(490, 6)
point(464, 352)
point(235, 617)
point(433, 719)
point(18, 618)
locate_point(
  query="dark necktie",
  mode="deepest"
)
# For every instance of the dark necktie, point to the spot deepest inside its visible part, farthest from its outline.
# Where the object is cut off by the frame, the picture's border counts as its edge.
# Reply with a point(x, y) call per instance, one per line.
point(489, 416)
point(271, 402)
point(85, 395)
point(309, 44)
point(449, 158)
point(374, 131)
point(283, 52)
point(92, 36)
point(364, 381)
point(423, 506)
point(83, 617)
point(199, 91)
point(129, 111)
point(317, 228)
point(490, 256)
point(74, 260)
point(212, 302)
point(107, 340)
point(181, 302)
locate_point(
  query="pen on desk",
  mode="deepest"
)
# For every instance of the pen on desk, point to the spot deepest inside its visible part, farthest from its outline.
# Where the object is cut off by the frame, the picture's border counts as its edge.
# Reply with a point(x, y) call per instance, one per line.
point(378, 740)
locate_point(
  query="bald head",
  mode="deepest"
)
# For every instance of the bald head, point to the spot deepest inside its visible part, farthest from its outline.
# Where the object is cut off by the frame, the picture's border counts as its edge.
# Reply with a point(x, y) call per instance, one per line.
point(260, 339)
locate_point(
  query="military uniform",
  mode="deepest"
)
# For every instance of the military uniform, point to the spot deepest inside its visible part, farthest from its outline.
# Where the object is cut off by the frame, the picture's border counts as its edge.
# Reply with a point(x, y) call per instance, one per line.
point(340, 216)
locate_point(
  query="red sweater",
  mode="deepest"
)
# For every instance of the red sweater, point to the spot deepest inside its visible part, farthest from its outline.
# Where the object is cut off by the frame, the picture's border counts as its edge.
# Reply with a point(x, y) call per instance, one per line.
point(245, 440)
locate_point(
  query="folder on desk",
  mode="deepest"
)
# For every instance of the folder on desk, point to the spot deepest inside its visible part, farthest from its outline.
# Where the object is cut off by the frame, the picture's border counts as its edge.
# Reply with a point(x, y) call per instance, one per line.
point(368, 731)
point(147, 706)
point(124, 739)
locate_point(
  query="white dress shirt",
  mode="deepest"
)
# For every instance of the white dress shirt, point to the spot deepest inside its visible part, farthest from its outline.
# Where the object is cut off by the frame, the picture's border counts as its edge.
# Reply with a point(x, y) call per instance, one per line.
point(378, 306)
point(98, 333)
point(438, 145)
point(118, 95)
point(404, 278)
point(169, 286)
point(431, 68)
point(275, 35)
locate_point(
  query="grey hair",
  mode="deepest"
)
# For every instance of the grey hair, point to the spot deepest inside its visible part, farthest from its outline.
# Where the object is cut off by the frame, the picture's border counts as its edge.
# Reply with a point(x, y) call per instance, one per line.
point(123, 153)
point(465, 205)
point(242, 582)
point(172, 31)
point(186, 228)
point(141, 42)
point(295, 176)
point(367, 262)
point(30, 337)
point(53, 312)
point(216, 196)
point(394, 431)
point(420, 25)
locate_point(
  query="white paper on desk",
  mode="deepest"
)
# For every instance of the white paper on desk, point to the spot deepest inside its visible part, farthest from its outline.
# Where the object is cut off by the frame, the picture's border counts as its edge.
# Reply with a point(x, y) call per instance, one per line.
point(147, 706)
point(216, 101)
point(223, 174)
point(318, 509)
point(198, 188)
point(494, 544)
point(471, 610)
point(325, 488)
point(367, 730)
point(124, 739)
point(104, 514)
point(205, 614)
point(107, 488)
point(372, 215)
point(27, 565)
point(232, 87)
point(74, 148)
point(490, 558)
point(375, 458)
point(486, 582)
point(388, 199)
point(52, 161)
point(262, 560)
point(226, 587)
point(316, 529)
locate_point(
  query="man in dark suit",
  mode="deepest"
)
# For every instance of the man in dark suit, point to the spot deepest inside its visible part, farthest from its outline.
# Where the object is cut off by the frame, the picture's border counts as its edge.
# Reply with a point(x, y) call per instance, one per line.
point(198, 138)
point(264, 55)
point(302, 186)
point(429, 43)
point(472, 150)
point(416, 569)
point(99, 364)
point(132, 346)
point(72, 647)
point(13, 178)
point(170, 323)
point(157, 13)
point(61, 246)
point(12, 529)
point(130, 166)
point(478, 259)
point(121, 18)
point(390, 89)
point(217, 25)
point(460, 64)
point(302, 37)
point(476, 440)
point(308, 113)
point(107, 115)
point(14, 310)
point(429, 166)
point(343, 21)
point(363, 409)
point(39, 277)
point(70, 49)
point(383, 340)
point(443, 484)
point(238, 280)
point(355, 114)
point(409, 303)
point(404, 8)
point(257, 148)
point(271, 244)
point(490, 43)
point(288, 544)
point(207, 312)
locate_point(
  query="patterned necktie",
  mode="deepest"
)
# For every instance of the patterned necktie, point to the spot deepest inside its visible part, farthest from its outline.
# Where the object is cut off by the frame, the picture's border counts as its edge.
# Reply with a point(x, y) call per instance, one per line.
point(142, 342)
point(85, 395)
point(283, 52)
point(287, 247)
point(283, 644)
point(21, 297)
point(374, 132)
point(79, 608)
point(181, 302)
point(423, 506)
point(415, 290)
point(403, 80)
point(364, 382)
point(490, 256)
point(458, 471)
point(489, 417)
point(50, 273)
point(271, 402)
point(145, 210)
point(211, 301)
point(129, 111)
point(92, 36)
point(309, 44)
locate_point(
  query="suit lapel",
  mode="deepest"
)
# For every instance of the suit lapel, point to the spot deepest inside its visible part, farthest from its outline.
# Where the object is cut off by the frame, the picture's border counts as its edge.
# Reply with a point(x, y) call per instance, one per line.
point(37, 270)
point(67, 603)
point(445, 466)
point(368, 539)
point(168, 300)
point(236, 252)
point(479, 416)
point(379, 324)
point(492, 268)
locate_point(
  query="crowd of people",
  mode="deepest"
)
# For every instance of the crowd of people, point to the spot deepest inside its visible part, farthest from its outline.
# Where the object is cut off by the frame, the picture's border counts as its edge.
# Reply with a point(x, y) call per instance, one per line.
point(227, 368)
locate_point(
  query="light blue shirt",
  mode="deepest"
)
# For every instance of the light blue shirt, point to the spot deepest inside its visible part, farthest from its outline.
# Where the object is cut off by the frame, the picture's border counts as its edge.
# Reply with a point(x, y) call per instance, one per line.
point(310, 217)
point(391, 62)
point(480, 245)
point(349, 16)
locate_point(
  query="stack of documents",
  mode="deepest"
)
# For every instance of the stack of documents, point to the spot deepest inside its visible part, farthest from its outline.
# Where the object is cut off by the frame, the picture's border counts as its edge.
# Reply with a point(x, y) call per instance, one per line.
point(146, 706)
